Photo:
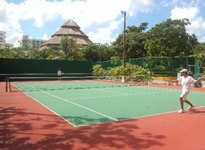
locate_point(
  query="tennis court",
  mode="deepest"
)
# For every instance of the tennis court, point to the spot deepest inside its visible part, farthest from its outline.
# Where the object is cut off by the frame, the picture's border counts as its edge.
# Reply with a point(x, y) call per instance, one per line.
point(102, 113)
point(113, 102)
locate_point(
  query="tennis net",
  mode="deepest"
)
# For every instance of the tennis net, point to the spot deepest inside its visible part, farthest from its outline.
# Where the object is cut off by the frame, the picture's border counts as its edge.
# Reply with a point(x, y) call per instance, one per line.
point(44, 83)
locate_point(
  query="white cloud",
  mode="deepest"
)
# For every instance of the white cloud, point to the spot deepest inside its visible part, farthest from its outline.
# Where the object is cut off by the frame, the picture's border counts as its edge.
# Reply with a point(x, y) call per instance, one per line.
point(184, 12)
point(141, 6)
point(9, 22)
point(38, 10)
point(93, 12)
point(197, 26)
point(202, 39)
point(104, 34)
point(98, 17)
point(182, 3)
point(45, 37)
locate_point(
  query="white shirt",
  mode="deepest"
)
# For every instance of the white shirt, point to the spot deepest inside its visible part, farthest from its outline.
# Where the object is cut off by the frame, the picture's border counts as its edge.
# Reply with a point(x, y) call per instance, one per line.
point(186, 82)
point(59, 73)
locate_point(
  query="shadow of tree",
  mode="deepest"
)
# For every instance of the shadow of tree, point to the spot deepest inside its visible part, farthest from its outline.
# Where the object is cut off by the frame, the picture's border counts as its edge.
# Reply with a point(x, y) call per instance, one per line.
point(85, 120)
point(37, 131)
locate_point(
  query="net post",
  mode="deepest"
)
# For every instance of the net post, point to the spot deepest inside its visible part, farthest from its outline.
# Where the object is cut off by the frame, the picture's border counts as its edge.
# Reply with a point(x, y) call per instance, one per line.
point(9, 84)
point(123, 79)
point(147, 79)
point(6, 84)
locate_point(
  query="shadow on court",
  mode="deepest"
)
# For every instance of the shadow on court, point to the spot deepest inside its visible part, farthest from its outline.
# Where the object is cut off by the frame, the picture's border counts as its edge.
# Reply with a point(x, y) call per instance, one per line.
point(194, 111)
point(21, 129)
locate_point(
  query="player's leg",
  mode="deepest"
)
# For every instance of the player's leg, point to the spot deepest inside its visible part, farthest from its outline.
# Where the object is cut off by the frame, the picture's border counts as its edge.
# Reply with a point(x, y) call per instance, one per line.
point(191, 106)
point(181, 105)
point(188, 102)
point(182, 97)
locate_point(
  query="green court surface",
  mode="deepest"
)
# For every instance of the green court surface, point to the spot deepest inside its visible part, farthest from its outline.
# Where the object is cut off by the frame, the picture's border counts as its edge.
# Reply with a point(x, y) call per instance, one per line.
point(86, 106)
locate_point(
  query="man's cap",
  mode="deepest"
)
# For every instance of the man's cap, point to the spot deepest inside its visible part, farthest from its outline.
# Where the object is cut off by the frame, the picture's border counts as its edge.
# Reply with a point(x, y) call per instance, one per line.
point(184, 70)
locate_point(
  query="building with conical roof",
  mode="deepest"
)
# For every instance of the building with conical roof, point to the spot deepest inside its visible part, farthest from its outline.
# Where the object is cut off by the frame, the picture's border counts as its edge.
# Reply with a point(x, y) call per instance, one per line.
point(69, 29)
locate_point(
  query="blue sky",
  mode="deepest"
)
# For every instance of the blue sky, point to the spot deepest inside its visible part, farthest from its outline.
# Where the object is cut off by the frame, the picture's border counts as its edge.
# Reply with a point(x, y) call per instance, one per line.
point(101, 20)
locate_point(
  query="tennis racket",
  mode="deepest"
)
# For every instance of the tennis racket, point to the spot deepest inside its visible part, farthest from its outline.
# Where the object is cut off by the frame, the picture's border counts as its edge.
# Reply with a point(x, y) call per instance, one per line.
point(171, 82)
point(202, 77)
point(199, 83)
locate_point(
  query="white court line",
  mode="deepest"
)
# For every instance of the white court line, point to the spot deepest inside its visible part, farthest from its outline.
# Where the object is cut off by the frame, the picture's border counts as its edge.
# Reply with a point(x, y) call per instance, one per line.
point(75, 104)
point(51, 110)
point(46, 107)
point(143, 116)
point(139, 117)
point(81, 106)
point(110, 91)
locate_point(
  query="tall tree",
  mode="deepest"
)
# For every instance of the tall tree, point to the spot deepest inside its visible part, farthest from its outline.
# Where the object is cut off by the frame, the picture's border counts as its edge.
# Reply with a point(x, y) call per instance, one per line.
point(91, 52)
point(199, 53)
point(170, 38)
point(98, 52)
point(66, 46)
point(135, 41)
point(6, 52)
point(19, 53)
point(71, 49)
point(136, 38)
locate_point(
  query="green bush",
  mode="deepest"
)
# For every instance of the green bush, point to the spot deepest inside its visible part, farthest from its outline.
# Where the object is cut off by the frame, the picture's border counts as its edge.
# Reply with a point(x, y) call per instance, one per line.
point(134, 71)
point(98, 70)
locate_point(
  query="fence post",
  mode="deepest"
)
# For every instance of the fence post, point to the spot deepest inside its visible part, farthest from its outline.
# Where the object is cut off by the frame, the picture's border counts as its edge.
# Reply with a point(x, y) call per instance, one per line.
point(196, 69)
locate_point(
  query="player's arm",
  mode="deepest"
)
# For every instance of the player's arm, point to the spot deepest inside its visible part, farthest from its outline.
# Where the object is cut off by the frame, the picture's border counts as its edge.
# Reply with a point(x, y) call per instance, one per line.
point(173, 81)
point(200, 78)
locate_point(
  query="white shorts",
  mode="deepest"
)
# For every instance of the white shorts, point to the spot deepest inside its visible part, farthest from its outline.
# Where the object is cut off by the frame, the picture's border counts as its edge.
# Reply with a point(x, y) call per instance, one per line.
point(184, 95)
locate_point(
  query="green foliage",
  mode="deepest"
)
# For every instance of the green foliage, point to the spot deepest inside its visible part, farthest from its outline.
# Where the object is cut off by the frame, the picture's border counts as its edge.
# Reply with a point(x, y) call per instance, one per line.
point(12, 53)
point(136, 38)
point(91, 52)
point(98, 52)
point(68, 46)
point(160, 68)
point(134, 71)
point(71, 49)
point(199, 54)
point(169, 38)
point(98, 70)
point(135, 41)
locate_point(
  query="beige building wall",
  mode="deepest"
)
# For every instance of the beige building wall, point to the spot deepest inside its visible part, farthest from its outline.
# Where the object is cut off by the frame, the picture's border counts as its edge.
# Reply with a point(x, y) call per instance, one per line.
point(3, 43)
point(26, 43)
point(2, 37)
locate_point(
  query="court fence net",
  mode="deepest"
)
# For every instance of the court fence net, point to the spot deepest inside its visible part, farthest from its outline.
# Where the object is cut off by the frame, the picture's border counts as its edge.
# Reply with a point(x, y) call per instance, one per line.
point(160, 66)
point(44, 82)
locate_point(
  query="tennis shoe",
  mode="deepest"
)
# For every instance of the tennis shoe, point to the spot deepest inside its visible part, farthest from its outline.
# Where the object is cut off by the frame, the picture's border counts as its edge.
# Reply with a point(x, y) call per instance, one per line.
point(181, 111)
point(190, 107)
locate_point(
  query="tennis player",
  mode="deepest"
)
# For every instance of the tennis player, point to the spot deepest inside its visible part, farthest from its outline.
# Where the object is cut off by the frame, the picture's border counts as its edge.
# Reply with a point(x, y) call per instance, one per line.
point(186, 82)
point(59, 73)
